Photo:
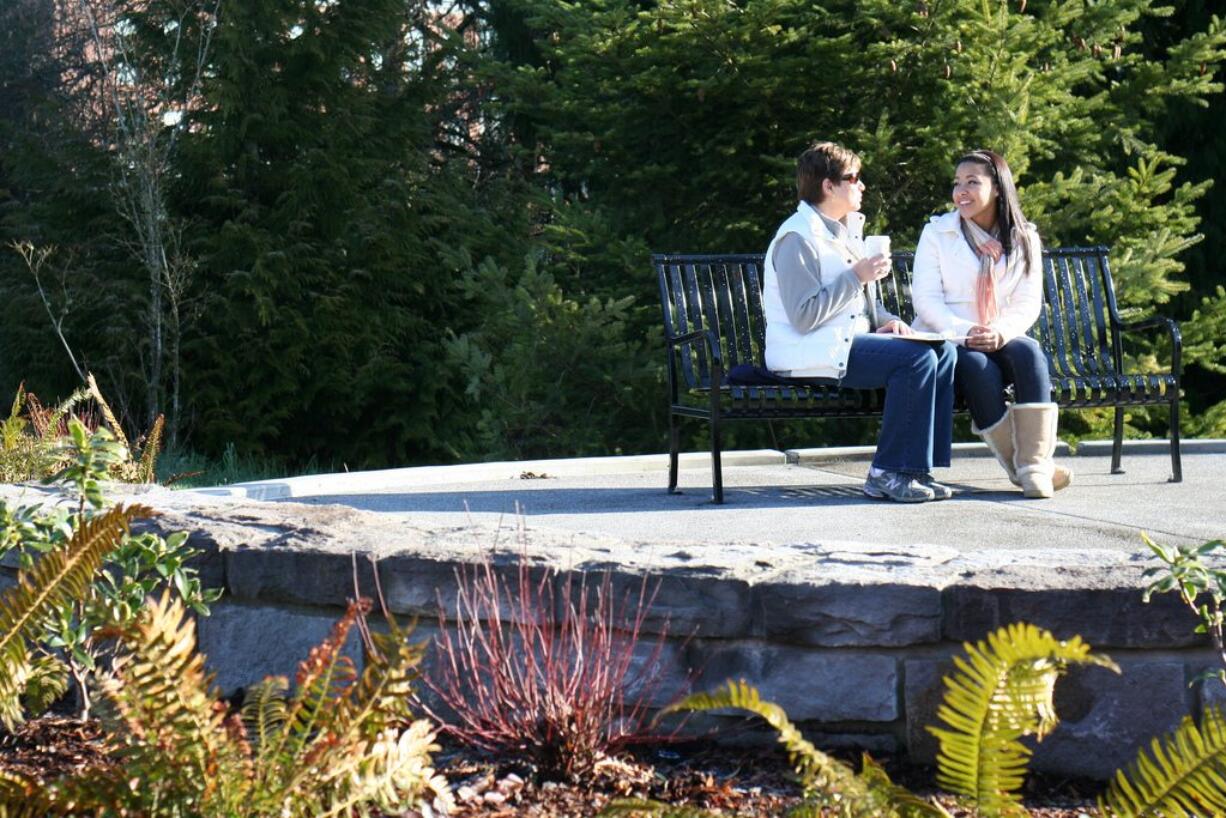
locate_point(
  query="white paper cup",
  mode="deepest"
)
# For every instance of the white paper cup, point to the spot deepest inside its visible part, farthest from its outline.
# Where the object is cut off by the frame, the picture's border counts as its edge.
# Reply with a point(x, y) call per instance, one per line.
point(877, 246)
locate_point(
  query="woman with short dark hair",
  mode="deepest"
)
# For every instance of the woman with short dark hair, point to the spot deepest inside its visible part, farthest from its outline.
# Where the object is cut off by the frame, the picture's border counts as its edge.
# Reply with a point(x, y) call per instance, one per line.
point(978, 278)
point(823, 321)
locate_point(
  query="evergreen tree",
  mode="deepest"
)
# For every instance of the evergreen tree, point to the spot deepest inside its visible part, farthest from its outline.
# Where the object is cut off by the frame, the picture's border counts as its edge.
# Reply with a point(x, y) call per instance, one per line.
point(678, 122)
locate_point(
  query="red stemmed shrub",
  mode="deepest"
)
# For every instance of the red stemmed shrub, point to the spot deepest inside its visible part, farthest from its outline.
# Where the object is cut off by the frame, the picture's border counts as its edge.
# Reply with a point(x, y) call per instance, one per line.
point(548, 666)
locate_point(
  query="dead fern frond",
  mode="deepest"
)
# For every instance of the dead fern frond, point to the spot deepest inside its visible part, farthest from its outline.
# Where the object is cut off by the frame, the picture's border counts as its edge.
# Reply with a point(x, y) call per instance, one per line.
point(19, 797)
point(160, 717)
point(314, 753)
point(146, 468)
point(107, 414)
point(56, 580)
point(322, 683)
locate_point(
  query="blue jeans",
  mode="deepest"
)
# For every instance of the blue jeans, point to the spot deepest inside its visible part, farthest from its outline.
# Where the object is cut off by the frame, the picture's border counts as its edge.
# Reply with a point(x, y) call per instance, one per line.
point(981, 378)
point(917, 426)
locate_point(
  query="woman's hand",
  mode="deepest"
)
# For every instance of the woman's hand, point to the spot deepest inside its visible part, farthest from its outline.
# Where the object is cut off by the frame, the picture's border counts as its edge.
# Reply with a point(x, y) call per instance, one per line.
point(895, 327)
point(872, 268)
point(982, 338)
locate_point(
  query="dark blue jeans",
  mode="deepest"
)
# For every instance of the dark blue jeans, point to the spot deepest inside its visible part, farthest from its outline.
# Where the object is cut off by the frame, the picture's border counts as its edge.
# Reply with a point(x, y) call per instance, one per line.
point(917, 426)
point(981, 378)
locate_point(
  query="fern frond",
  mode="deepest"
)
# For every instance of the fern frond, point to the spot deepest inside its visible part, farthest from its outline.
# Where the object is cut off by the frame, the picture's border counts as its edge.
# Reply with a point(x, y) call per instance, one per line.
point(146, 470)
point(385, 688)
point(14, 425)
point(47, 682)
point(48, 423)
point(56, 580)
point(828, 780)
point(264, 713)
point(18, 797)
point(13, 788)
point(639, 808)
point(1000, 692)
point(390, 772)
point(1184, 774)
point(323, 680)
point(107, 414)
point(900, 800)
point(163, 717)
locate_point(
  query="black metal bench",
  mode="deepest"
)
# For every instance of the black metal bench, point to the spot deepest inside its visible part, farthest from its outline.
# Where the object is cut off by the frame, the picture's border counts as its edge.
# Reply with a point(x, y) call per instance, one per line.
point(713, 324)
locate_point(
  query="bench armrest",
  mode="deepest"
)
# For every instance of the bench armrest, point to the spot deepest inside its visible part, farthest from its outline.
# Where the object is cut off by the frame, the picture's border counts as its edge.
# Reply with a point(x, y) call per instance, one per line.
point(713, 350)
point(1160, 322)
point(708, 336)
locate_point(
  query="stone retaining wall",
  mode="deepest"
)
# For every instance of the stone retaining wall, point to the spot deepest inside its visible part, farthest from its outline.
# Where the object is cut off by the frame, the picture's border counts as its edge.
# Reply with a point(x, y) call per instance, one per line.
point(850, 639)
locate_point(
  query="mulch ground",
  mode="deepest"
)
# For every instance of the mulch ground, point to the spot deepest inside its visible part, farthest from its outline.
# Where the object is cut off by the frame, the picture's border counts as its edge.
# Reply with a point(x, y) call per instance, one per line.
point(730, 782)
point(756, 783)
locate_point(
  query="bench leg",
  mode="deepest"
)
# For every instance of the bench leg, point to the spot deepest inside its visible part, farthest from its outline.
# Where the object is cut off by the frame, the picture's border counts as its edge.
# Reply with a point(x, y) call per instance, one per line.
point(717, 472)
point(674, 450)
point(1117, 447)
point(1176, 464)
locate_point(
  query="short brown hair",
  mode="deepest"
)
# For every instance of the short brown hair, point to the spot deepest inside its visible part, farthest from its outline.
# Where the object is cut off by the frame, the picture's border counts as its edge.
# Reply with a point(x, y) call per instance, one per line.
point(822, 160)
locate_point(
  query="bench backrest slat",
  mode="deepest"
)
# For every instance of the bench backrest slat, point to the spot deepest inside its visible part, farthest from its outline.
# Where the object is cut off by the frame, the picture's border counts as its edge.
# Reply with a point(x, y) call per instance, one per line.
point(724, 293)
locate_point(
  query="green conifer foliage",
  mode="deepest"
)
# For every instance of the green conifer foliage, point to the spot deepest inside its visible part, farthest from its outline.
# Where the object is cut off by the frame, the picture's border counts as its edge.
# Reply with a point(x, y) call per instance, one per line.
point(354, 171)
point(679, 121)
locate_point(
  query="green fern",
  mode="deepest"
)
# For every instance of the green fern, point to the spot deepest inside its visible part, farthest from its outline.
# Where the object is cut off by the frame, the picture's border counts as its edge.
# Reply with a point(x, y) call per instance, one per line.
point(58, 578)
point(830, 786)
point(48, 681)
point(1001, 692)
point(1183, 775)
point(639, 808)
point(12, 430)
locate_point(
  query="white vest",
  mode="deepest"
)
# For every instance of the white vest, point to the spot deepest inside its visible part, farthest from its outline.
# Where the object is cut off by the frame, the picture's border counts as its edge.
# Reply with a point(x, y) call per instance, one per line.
point(823, 352)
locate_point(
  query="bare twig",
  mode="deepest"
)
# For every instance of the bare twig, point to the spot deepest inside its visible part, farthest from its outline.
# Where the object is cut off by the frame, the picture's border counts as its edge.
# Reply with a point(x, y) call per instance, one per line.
point(35, 259)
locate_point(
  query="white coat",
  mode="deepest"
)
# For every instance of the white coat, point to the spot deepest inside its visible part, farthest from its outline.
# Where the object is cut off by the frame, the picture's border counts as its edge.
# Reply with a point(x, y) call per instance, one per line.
point(944, 277)
point(821, 353)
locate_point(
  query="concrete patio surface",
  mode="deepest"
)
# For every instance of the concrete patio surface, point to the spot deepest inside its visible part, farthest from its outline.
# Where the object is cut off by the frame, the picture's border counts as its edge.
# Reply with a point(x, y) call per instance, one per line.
point(801, 497)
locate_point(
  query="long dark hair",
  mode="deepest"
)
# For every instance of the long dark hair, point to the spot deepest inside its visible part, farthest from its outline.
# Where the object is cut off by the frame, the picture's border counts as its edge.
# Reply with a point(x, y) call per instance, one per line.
point(1009, 216)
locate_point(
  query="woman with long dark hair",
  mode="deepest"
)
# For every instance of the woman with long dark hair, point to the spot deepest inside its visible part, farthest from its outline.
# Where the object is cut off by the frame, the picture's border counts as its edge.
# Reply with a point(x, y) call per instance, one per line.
point(978, 279)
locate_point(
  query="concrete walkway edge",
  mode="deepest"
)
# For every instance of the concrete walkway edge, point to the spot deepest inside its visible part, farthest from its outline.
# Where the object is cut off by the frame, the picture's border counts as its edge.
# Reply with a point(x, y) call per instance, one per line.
point(385, 480)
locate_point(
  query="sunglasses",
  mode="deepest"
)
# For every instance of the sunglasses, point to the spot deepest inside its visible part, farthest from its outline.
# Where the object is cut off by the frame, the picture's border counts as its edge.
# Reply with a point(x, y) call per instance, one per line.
point(854, 178)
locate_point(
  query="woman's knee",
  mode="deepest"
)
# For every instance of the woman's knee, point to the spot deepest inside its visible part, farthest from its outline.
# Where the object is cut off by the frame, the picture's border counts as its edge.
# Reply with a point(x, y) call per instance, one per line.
point(947, 355)
point(1024, 350)
point(925, 358)
point(978, 372)
point(1025, 357)
point(972, 364)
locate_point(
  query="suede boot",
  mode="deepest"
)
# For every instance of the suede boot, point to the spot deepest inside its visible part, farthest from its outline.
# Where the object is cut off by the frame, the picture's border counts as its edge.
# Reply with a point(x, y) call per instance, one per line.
point(999, 437)
point(1034, 443)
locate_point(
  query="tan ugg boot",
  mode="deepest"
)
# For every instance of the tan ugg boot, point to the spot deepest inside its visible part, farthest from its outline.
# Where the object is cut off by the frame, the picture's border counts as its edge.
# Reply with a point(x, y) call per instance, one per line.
point(999, 437)
point(1034, 443)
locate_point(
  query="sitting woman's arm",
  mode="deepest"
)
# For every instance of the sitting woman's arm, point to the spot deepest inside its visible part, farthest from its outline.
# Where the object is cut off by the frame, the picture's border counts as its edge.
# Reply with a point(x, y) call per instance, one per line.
point(807, 299)
point(928, 289)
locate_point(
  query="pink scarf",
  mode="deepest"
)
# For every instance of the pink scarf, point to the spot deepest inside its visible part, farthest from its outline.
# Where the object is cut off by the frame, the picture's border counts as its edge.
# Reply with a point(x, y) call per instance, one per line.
point(985, 284)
